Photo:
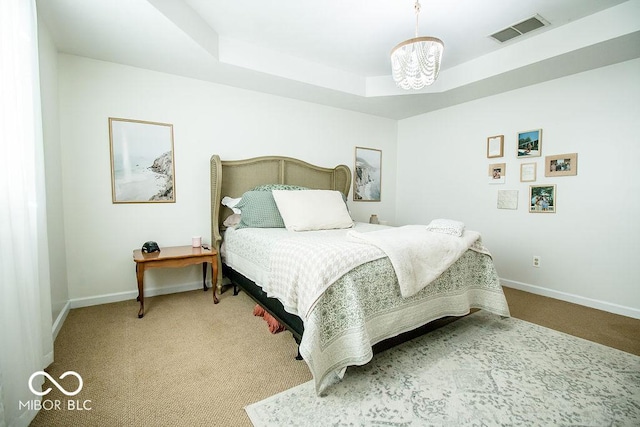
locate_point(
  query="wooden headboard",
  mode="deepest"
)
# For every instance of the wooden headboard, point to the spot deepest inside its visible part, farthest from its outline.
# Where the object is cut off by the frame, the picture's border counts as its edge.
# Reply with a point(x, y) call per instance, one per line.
point(233, 177)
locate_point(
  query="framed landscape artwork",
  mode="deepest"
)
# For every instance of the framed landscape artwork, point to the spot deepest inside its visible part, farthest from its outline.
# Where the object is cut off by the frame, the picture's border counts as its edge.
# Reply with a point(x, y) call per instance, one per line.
point(542, 198)
point(142, 169)
point(561, 165)
point(367, 175)
point(530, 143)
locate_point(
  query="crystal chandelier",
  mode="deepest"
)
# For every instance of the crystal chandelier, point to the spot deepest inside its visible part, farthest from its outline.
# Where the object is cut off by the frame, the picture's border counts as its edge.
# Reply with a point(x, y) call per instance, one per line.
point(415, 63)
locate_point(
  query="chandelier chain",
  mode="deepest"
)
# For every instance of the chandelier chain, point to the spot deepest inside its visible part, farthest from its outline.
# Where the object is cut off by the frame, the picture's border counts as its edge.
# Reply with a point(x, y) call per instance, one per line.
point(417, 8)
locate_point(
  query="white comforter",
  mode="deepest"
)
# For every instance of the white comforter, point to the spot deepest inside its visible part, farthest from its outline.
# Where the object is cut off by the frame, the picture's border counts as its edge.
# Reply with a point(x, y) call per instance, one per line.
point(303, 266)
point(419, 256)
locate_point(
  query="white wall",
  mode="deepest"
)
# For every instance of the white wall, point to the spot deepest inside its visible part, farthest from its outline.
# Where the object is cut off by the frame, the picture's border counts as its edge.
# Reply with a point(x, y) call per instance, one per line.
point(208, 119)
point(589, 248)
point(48, 57)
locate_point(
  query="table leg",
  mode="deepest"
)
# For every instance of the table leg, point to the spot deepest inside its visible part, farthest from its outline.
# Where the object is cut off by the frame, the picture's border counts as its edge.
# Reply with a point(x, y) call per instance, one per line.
point(140, 277)
point(214, 280)
point(204, 276)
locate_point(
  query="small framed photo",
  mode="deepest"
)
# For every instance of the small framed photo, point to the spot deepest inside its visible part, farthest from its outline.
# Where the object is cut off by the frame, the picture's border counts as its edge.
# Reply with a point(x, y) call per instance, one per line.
point(528, 172)
point(142, 167)
point(367, 175)
point(497, 173)
point(542, 198)
point(495, 146)
point(561, 165)
point(530, 143)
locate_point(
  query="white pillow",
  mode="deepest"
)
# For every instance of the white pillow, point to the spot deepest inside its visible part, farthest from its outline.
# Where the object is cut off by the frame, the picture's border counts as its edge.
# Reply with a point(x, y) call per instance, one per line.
point(231, 203)
point(312, 209)
point(447, 226)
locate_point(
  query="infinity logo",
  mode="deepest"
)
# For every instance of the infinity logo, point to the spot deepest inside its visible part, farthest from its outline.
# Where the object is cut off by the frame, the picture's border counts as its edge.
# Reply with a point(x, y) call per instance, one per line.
point(43, 373)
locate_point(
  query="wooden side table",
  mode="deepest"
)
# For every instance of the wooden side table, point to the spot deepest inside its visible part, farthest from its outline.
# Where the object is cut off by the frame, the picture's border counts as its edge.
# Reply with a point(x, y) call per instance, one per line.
point(172, 257)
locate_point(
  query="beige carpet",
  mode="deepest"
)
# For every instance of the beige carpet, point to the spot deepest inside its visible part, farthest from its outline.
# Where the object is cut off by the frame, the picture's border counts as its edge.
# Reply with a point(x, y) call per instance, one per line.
point(190, 363)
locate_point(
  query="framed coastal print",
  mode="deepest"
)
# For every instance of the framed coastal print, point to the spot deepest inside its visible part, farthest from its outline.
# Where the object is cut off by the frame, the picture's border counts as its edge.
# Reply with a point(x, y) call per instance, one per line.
point(142, 168)
point(497, 173)
point(367, 175)
point(528, 172)
point(561, 165)
point(542, 198)
point(495, 146)
point(530, 143)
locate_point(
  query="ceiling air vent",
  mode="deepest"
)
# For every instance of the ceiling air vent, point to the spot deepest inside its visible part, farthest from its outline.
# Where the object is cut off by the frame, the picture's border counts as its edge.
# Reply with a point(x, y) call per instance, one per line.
point(520, 28)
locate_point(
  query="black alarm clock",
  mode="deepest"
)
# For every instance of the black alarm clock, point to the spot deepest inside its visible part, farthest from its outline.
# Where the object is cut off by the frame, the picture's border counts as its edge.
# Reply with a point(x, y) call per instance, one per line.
point(150, 247)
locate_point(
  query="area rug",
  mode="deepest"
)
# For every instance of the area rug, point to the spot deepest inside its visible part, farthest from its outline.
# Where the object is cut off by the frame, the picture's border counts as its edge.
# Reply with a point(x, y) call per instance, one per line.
point(481, 370)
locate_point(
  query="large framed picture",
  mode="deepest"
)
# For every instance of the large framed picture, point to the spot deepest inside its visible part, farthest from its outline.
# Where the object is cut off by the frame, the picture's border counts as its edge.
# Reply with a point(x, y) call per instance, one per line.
point(561, 165)
point(367, 175)
point(142, 167)
point(542, 198)
point(530, 143)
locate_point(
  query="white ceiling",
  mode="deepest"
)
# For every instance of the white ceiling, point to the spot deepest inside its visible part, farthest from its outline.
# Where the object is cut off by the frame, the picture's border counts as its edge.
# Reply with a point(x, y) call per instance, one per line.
point(336, 52)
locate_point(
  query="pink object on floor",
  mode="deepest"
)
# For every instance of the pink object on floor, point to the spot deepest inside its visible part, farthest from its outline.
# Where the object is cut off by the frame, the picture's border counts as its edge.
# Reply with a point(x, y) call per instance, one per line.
point(274, 325)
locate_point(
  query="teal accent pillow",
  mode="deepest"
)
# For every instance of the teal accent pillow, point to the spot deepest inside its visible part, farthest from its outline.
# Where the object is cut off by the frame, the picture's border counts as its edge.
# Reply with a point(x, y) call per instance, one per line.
point(270, 187)
point(259, 210)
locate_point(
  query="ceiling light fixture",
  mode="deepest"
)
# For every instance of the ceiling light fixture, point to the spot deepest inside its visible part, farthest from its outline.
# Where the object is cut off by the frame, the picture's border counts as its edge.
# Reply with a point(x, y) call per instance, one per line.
point(415, 63)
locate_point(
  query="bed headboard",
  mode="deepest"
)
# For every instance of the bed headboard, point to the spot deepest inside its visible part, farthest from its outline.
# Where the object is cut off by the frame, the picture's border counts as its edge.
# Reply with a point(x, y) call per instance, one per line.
point(234, 177)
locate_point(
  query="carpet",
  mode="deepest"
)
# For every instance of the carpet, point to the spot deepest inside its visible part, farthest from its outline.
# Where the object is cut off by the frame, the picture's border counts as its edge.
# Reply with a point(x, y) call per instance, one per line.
point(480, 370)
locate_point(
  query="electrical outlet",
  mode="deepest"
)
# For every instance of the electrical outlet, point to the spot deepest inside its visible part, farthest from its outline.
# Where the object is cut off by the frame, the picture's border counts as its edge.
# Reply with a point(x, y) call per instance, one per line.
point(536, 261)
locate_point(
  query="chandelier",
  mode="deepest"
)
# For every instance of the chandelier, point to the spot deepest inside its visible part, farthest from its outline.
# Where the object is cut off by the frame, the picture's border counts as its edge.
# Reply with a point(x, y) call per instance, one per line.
point(415, 63)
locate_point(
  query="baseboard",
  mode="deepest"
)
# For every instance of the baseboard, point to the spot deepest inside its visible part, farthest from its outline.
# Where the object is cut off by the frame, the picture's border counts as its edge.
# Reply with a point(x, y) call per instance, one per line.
point(57, 325)
point(124, 296)
point(576, 299)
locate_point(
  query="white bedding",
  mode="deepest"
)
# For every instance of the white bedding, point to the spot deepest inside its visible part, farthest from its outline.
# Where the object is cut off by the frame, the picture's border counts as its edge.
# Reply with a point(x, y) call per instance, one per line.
point(363, 306)
point(418, 255)
point(249, 250)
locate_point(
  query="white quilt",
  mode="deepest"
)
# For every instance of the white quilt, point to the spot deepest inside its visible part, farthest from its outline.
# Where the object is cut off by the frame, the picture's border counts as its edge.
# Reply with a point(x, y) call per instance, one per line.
point(302, 267)
point(419, 256)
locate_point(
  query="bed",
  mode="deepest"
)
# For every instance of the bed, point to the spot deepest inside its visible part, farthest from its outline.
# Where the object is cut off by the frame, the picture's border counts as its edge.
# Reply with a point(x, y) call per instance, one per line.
point(358, 303)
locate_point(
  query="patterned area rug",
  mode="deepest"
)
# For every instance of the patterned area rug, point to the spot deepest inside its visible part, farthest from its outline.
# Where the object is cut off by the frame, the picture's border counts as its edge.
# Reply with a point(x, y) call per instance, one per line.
point(480, 370)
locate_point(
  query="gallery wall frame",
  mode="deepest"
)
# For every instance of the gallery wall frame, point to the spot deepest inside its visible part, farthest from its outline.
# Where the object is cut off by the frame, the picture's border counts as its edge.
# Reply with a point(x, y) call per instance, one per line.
point(507, 199)
point(142, 161)
point(497, 173)
point(495, 146)
point(542, 198)
point(528, 172)
point(529, 143)
point(367, 175)
point(561, 165)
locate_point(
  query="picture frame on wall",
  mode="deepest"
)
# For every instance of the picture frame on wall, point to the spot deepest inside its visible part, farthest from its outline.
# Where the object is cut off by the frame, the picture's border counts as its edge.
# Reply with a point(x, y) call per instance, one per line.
point(530, 143)
point(497, 173)
point(367, 175)
point(495, 146)
point(528, 172)
point(142, 164)
point(561, 165)
point(542, 198)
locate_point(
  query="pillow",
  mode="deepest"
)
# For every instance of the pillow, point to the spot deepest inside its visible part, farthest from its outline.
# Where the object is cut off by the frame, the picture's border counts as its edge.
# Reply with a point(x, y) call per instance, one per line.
point(271, 187)
point(231, 203)
point(258, 210)
point(232, 220)
point(312, 210)
point(446, 226)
